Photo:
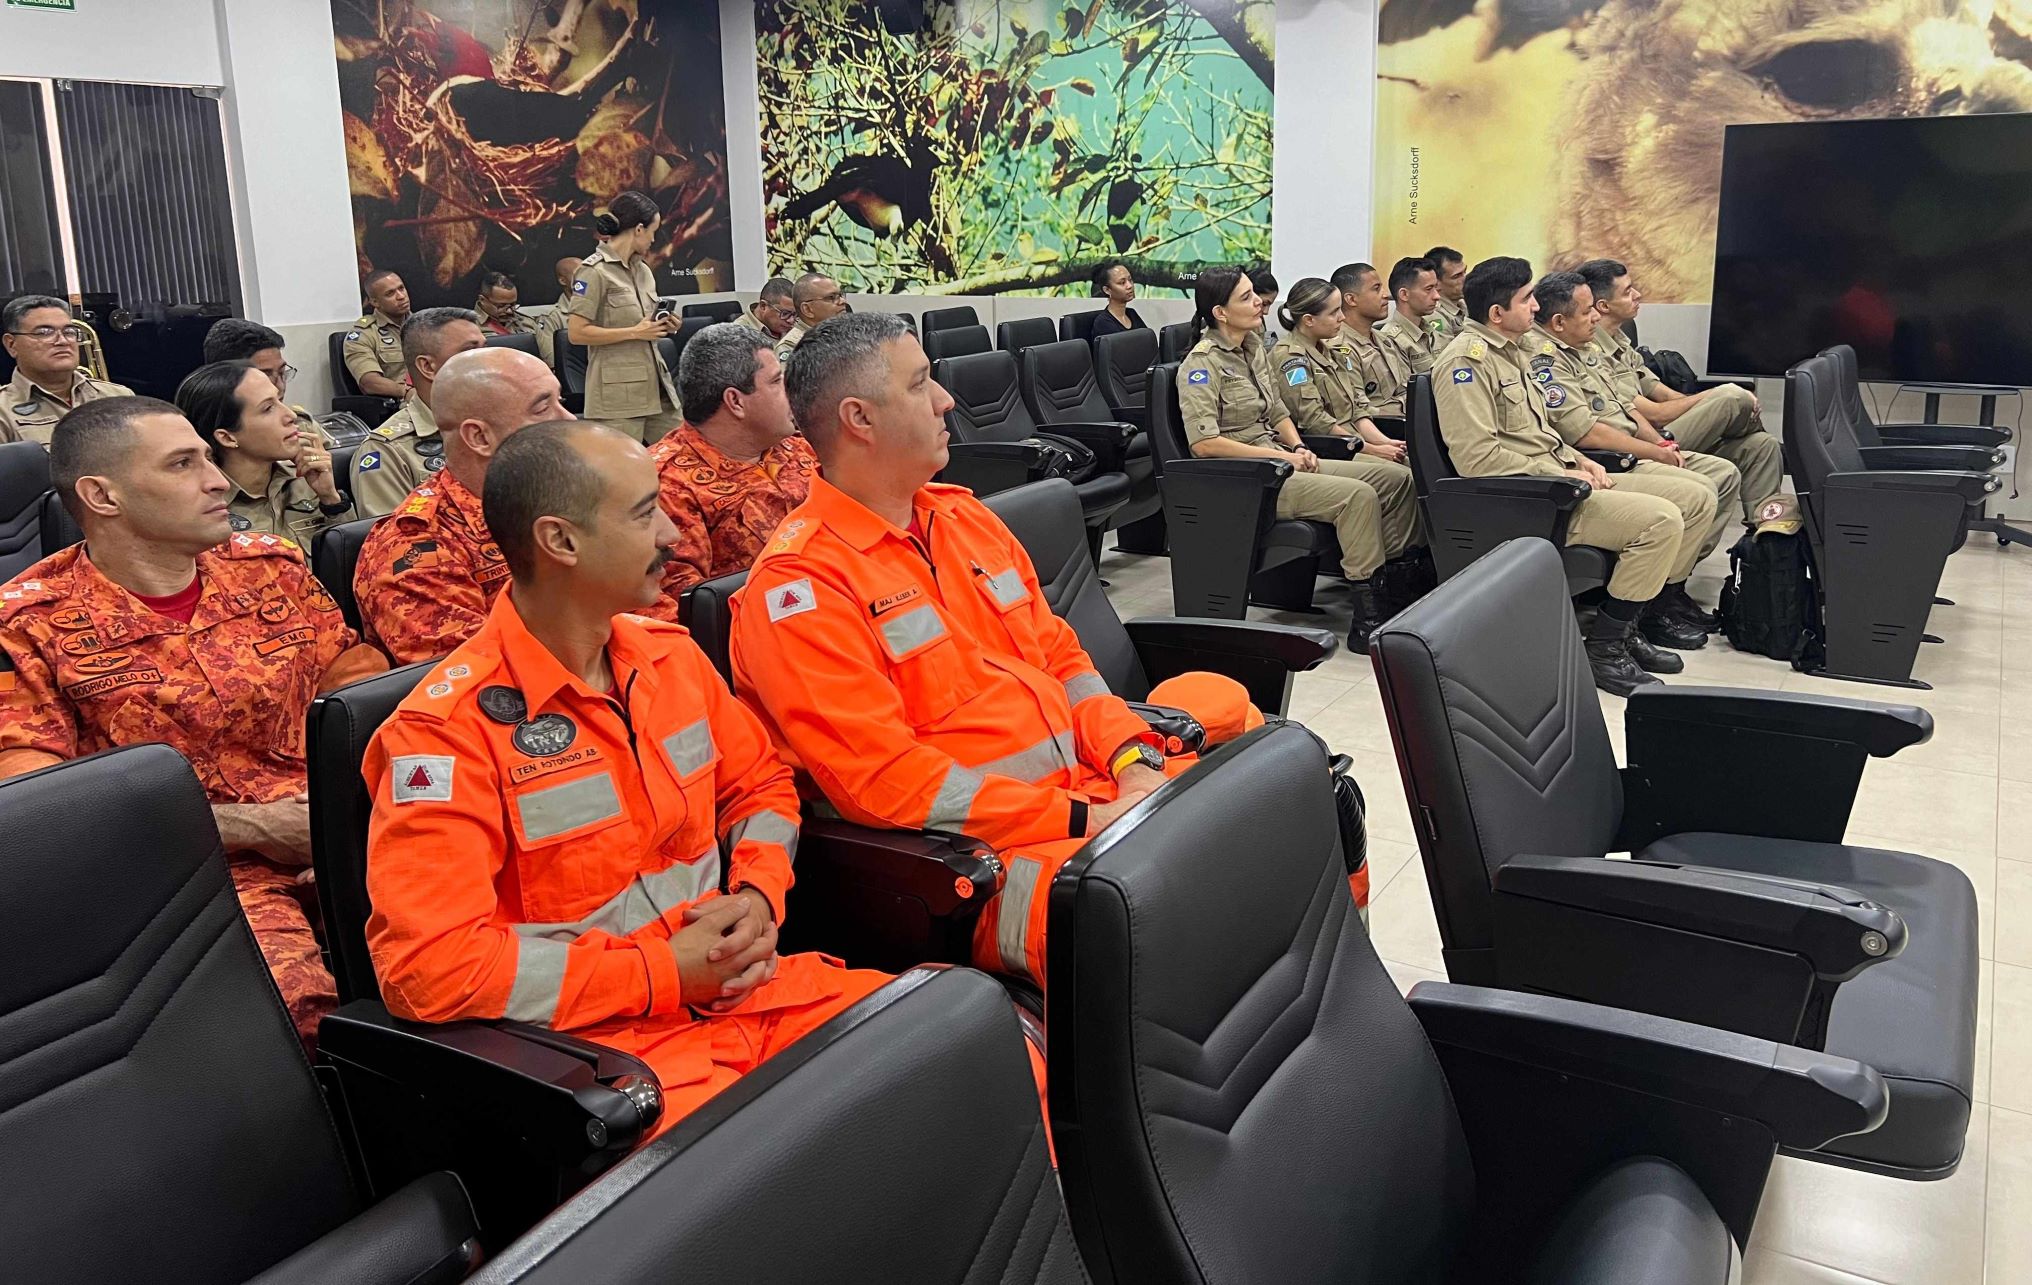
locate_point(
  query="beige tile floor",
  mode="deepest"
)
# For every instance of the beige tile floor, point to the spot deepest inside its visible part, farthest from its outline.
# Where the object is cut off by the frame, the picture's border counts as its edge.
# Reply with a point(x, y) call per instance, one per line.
point(1965, 797)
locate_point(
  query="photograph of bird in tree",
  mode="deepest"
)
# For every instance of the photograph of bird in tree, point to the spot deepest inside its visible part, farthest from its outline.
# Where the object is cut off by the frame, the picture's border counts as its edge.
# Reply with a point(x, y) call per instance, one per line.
point(482, 135)
point(1009, 146)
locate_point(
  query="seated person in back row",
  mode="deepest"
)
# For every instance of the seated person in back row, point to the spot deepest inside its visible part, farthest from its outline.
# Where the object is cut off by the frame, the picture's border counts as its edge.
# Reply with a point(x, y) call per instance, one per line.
point(773, 313)
point(237, 339)
point(1413, 329)
point(1115, 285)
point(559, 806)
point(37, 331)
point(1316, 372)
point(1385, 372)
point(498, 306)
point(735, 466)
point(896, 642)
point(166, 626)
point(407, 448)
point(373, 347)
point(282, 479)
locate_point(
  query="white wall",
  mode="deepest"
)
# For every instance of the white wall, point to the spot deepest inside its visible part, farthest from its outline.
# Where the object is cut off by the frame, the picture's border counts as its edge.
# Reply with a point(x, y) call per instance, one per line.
point(744, 142)
point(163, 42)
point(1324, 168)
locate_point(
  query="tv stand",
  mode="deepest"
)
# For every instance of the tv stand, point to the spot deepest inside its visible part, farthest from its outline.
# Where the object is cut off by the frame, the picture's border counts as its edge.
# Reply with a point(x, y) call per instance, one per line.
point(1986, 416)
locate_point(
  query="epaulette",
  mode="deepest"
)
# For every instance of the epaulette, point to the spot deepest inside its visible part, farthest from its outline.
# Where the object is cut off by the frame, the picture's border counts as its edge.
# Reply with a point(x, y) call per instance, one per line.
point(248, 544)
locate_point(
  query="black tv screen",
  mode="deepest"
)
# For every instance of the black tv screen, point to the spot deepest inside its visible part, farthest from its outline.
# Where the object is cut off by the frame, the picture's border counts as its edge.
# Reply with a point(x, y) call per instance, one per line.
point(1910, 239)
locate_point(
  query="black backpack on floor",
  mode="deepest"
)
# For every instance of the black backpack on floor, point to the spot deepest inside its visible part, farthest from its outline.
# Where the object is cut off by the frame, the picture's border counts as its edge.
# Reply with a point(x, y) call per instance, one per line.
point(1770, 604)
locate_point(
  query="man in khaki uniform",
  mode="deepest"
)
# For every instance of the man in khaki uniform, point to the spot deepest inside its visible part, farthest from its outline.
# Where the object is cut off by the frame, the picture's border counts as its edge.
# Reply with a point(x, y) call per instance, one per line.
point(499, 306)
point(38, 333)
point(373, 347)
point(817, 298)
point(774, 311)
point(407, 449)
point(1386, 375)
point(238, 339)
point(1495, 423)
point(1414, 286)
point(1451, 315)
point(1727, 421)
point(551, 320)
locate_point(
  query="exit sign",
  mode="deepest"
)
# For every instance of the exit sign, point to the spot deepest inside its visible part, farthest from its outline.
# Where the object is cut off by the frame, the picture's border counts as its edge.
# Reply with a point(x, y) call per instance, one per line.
point(66, 5)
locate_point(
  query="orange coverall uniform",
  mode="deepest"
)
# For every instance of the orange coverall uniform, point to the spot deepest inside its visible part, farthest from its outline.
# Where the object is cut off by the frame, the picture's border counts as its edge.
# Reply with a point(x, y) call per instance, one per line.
point(725, 509)
point(929, 686)
point(534, 845)
point(87, 667)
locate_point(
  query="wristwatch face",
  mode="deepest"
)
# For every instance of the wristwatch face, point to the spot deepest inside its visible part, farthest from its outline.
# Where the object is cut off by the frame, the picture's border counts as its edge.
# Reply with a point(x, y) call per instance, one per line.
point(1150, 758)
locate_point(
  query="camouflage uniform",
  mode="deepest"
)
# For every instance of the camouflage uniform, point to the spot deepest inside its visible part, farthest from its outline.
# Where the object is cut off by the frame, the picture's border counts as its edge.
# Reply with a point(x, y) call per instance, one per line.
point(85, 667)
point(725, 509)
point(428, 572)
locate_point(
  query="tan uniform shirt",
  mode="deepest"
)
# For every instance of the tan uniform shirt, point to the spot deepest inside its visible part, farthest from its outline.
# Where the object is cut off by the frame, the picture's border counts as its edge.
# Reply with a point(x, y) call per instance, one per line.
point(1493, 423)
point(788, 344)
point(404, 451)
point(1417, 344)
point(1320, 383)
point(1229, 391)
point(1386, 375)
point(374, 347)
point(518, 323)
point(626, 380)
point(1633, 379)
point(289, 508)
point(748, 319)
point(550, 324)
point(29, 413)
point(1450, 318)
point(1584, 378)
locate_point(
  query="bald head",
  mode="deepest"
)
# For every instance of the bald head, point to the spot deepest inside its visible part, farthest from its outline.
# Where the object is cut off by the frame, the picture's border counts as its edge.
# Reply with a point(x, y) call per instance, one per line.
point(566, 268)
point(482, 397)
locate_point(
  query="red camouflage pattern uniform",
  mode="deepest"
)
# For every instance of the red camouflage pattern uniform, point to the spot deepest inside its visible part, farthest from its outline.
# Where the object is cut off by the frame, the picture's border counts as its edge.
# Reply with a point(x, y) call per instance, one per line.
point(428, 572)
point(88, 667)
point(725, 509)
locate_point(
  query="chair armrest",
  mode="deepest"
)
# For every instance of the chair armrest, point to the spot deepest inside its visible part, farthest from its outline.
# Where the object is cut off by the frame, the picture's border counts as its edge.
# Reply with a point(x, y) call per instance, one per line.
point(887, 899)
point(1563, 493)
point(1971, 487)
point(1329, 446)
point(986, 468)
point(1878, 729)
point(1944, 434)
point(372, 410)
point(1974, 459)
point(569, 1099)
point(1109, 441)
point(1612, 461)
point(927, 863)
point(1806, 1099)
point(1837, 930)
point(422, 1234)
point(1139, 416)
point(1182, 733)
point(1393, 427)
point(1261, 657)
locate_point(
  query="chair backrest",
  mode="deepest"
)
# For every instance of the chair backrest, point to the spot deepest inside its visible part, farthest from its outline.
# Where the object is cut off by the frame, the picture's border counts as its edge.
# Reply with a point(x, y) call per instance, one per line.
point(342, 463)
point(157, 1116)
point(24, 481)
point(1078, 325)
point(1015, 336)
point(986, 404)
point(899, 1141)
point(707, 610)
point(1499, 735)
point(343, 384)
point(947, 318)
point(1630, 331)
point(1167, 426)
point(715, 312)
point(571, 363)
point(1351, 1164)
point(333, 557)
point(1058, 383)
point(1818, 439)
point(1848, 391)
point(519, 342)
point(1045, 518)
point(956, 341)
point(1174, 341)
point(341, 724)
point(1425, 449)
point(58, 531)
point(1122, 363)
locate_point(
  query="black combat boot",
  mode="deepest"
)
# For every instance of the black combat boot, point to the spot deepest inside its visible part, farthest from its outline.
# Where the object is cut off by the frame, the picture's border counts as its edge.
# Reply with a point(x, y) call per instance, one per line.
point(1664, 629)
point(1371, 610)
point(1654, 660)
point(1675, 599)
point(1608, 653)
point(1401, 583)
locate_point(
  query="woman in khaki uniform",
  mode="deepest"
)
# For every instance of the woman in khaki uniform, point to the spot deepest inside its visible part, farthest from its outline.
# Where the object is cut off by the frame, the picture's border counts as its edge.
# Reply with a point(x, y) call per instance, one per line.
point(282, 477)
point(1318, 376)
point(1230, 410)
point(611, 310)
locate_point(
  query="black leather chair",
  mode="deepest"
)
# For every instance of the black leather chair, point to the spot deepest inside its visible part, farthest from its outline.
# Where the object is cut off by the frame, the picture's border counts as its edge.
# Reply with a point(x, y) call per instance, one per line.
point(571, 371)
point(24, 482)
point(818, 1144)
point(1880, 536)
point(346, 394)
point(158, 1119)
point(519, 342)
point(714, 313)
point(1466, 517)
point(334, 555)
point(58, 531)
point(342, 465)
point(1273, 1110)
point(1078, 325)
point(956, 341)
point(1061, 389)
point(1741, 907)
point(1015, 336)
point(936, 319)
point(1174, 341)
point(672, 346)
point(1228, 546)
point(1122, 363)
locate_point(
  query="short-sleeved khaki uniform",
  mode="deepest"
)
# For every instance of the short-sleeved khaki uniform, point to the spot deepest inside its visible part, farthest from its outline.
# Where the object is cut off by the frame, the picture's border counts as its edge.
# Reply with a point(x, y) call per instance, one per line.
point(1416, 343)
point(29, 414)
point(1450, 318)
point(1495, 425)
point(550, 323)
point(788, 344)
point(627, 385)
point(395, 457)
point(1724, 422)
point(1227, 390)
point(374, 347)
point(289, 507)
point(1386, 376)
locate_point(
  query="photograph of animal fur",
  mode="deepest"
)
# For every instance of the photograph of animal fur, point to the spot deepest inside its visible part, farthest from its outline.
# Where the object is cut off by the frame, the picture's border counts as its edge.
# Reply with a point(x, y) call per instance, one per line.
point(1010, 146)
point(1564, 130)
point(482, 135)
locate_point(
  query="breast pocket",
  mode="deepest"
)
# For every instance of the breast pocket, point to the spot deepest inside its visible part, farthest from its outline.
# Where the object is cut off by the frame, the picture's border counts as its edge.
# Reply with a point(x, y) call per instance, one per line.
point(929, 670)
point(1513, 406)
point(550, 811)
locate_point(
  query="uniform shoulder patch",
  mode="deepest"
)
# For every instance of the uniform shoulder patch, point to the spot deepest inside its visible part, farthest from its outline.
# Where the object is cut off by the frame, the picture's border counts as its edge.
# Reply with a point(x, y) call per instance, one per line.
point(388, 432)
point(1543, 361)
point(20, 595)
point(1199, 376)
point(578, 287)
point(1555, 396)
point(247, 544)
point(1462, 375)
point(352, 335)
point(421, 777)
point(792, 599)
point(367, 462)
point(1477, 349)
point(1296, 375)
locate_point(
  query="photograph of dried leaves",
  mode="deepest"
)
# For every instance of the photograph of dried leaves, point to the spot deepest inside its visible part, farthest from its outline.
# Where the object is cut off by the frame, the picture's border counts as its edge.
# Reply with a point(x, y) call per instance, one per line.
point(999, 146)
point(481, 135)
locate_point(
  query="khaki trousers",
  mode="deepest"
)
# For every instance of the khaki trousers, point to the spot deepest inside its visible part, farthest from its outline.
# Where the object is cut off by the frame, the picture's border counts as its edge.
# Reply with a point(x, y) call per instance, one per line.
point(1693, 498)
point(1371, 503)
point(1643, 531)
point(1725, 423)
point(646, 429)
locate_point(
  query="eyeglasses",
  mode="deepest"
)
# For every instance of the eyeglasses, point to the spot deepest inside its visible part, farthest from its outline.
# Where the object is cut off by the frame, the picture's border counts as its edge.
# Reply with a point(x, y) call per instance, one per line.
point(781, 311)
point(49, 334)
point(284, 375)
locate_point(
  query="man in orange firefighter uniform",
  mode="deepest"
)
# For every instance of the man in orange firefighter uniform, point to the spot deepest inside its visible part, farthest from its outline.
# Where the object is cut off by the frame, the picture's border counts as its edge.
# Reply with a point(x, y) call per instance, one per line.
point(558, 805)
point(894, 637)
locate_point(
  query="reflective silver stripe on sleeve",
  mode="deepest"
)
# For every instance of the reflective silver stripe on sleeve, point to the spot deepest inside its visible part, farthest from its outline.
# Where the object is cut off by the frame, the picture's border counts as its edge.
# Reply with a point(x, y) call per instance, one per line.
point(911, 630)
point(1007, 587)
point(1035, 764)
point(766, 827)
point(1081, 686)
point(646, 899)
point(954, 802)
point(1012, 925)
point(690, 748)
point(552, 811)
point(539, 981)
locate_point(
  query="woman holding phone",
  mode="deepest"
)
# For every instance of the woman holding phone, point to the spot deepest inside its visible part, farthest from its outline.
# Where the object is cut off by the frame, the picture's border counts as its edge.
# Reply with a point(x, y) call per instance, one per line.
point(612, 311)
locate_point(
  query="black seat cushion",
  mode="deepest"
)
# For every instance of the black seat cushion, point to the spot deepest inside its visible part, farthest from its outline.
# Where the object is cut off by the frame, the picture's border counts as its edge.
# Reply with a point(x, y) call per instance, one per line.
point(1299, 533)
point(421, 1235)
point(1913, 1018)
point(1642, 1220)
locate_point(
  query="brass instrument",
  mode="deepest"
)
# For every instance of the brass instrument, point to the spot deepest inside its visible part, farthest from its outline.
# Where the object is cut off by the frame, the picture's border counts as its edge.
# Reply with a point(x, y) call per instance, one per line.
point(91, 352)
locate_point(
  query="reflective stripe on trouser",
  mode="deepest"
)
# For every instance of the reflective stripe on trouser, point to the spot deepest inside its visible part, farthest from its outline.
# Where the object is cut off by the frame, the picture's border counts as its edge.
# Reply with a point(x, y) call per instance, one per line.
point(1340, 495)
point(1691, 495)
point(1643, 531)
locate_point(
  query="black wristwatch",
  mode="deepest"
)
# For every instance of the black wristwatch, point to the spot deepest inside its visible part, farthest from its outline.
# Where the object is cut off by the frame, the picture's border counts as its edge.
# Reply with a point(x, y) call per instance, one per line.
point(333, 510)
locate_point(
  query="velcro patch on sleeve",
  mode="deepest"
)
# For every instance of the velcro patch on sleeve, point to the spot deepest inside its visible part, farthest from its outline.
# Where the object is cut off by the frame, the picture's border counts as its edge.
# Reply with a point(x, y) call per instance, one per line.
point(1462, 375)
point(790, 599)
point(415, 778)
point(1197, 377)
point(1297, 375)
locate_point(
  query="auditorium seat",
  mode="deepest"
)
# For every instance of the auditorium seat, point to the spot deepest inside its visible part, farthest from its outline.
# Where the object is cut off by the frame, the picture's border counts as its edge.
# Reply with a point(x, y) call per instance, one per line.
point(519, 342)
point(715, 312)
point(1015, 336)
point(1174, 341)
point(956, 341)
point(24, 481)
point(936, 319)
point(1742, 906)
point(334, 556)
point(1060, 388)
point(1273, 1110)
point(1079, 325)
point(346, 394)
point(1122, 362)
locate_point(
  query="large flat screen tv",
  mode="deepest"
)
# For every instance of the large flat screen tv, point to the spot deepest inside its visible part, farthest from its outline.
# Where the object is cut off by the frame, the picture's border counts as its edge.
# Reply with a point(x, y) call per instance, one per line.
point(1910, 239)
